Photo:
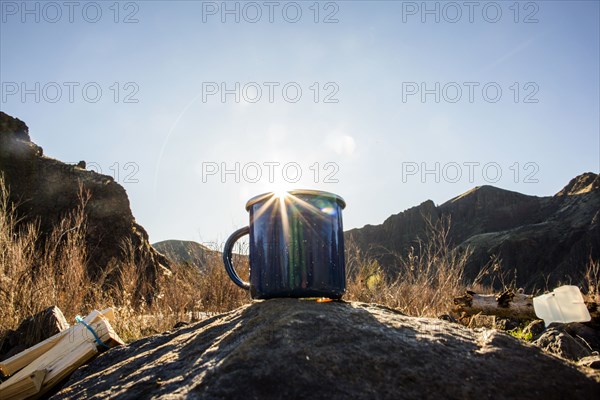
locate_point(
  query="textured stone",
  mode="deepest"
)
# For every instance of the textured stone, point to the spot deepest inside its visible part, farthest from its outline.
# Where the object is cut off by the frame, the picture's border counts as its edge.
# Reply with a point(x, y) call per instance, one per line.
point(33, 330)
point(590, 361)
point(506, 324)
point(559, 342)
point(535, 328)
point(291, 349)
point(587, 335)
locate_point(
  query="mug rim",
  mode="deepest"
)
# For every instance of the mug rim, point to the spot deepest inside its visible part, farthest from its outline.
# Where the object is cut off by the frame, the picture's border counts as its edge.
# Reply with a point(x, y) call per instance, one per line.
point(341, 202)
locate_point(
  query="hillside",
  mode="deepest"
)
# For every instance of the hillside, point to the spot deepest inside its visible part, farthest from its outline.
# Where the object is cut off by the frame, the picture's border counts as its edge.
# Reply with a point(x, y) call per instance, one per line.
point(44, 190)
point(185, 251)
point(547, 240)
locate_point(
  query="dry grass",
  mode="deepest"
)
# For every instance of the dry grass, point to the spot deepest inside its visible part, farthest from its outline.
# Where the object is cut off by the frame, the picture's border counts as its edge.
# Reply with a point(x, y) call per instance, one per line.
point(591, 281)
point(186, 294)
point(36, 274)
point(424, 282)
point(38, 271)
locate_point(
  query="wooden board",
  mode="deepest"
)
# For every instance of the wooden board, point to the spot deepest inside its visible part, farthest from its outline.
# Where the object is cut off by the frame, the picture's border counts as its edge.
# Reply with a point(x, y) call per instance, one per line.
point(73, 348)
point(18, 361)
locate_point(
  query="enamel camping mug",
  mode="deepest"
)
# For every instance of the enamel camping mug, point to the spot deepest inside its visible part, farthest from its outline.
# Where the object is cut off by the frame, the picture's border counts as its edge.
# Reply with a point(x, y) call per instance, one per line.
point(296, 245)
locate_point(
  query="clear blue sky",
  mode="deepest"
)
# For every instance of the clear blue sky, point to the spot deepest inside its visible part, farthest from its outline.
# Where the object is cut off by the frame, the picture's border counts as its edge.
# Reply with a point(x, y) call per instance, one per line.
point(174, 59)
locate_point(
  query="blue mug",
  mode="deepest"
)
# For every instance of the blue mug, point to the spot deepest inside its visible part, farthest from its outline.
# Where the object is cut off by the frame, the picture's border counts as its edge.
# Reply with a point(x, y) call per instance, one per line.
point(296, 246)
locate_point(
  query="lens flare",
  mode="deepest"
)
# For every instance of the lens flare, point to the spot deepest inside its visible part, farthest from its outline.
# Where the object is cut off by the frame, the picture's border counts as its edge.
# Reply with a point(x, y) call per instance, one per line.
point(328, 210)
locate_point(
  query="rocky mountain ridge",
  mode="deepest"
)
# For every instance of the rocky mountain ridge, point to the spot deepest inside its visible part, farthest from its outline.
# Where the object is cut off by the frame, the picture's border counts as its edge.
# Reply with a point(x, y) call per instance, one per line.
point(546, 240)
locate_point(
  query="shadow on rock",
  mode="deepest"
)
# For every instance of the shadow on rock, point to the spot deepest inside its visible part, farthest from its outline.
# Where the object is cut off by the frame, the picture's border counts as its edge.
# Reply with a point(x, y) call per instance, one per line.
point(287, 348)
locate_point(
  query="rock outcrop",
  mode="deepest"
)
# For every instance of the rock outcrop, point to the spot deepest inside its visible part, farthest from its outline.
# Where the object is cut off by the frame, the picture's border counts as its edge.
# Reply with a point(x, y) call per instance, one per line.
point(295, 349)
point(546, 240)
point(32, 330)
point(45, 189)
point(572, 341)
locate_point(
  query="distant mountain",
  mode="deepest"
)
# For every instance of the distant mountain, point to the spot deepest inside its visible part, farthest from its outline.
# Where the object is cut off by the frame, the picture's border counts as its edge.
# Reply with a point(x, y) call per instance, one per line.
point(547, 240)
point(182, 251)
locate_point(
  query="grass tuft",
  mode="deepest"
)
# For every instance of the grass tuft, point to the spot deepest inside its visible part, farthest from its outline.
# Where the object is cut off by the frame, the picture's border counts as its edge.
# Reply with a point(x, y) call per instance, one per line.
point(424, 282)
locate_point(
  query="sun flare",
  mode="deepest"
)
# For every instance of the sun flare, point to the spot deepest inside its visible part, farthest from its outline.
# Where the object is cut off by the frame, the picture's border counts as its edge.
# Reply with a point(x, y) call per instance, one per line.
point(280, 194)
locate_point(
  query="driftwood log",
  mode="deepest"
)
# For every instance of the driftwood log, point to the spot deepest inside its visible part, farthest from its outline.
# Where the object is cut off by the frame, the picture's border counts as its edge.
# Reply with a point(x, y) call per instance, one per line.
point(507, 304)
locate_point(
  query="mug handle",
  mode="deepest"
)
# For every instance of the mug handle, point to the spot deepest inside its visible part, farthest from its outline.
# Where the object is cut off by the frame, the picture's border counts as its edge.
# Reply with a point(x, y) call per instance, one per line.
point(235, 236)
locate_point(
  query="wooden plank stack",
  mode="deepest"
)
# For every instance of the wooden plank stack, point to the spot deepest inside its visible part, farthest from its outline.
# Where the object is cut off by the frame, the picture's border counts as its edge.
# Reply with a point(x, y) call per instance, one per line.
point(37, 369)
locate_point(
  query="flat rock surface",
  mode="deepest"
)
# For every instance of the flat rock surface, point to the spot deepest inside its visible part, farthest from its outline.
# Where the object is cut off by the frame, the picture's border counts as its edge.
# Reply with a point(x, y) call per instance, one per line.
point(294, 349)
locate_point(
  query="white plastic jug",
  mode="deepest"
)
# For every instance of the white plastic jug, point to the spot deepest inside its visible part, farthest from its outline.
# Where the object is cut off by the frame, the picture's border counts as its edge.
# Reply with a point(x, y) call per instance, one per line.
point(564, 304)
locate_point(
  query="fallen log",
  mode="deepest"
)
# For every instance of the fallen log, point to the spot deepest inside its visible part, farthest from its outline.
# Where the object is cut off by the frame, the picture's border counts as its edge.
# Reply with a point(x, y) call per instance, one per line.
point(507, 304)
